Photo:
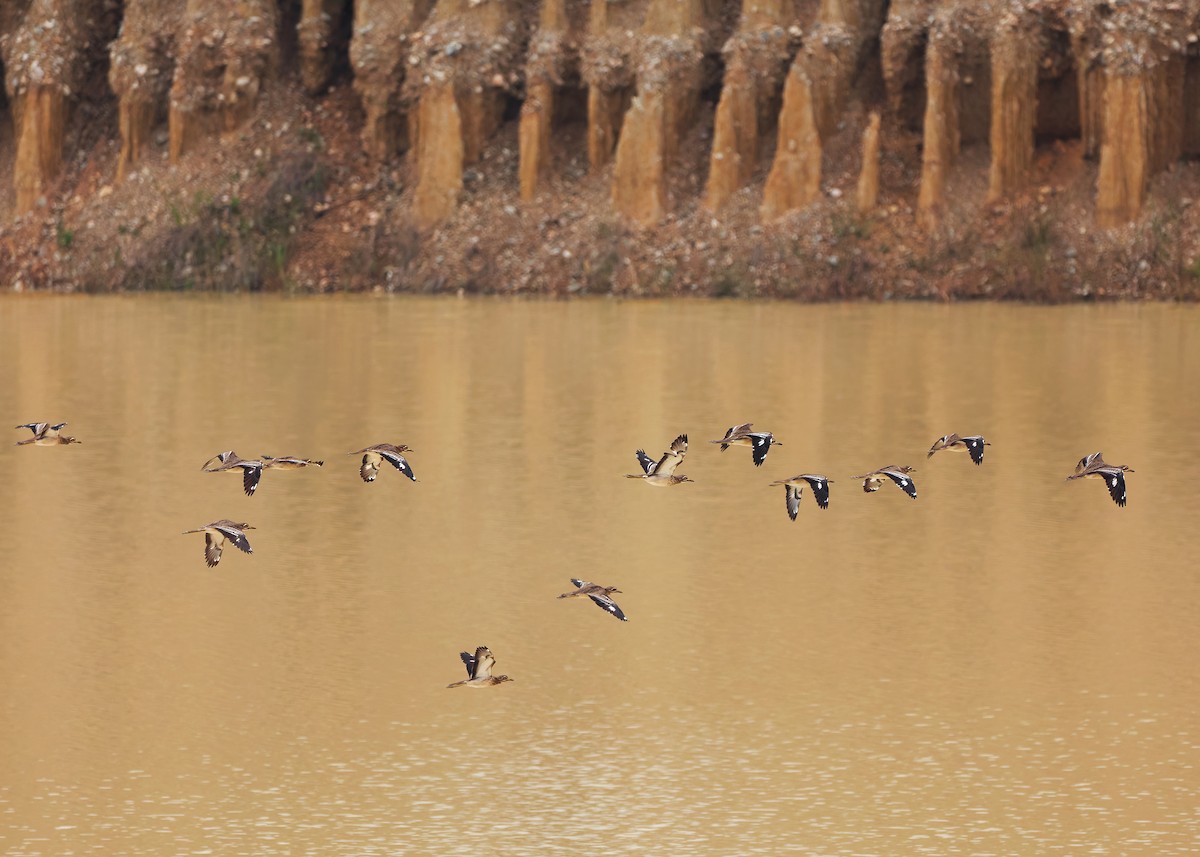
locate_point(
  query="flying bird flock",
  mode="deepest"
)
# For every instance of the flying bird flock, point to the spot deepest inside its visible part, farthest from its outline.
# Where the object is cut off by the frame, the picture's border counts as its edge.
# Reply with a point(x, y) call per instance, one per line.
point(660, 472)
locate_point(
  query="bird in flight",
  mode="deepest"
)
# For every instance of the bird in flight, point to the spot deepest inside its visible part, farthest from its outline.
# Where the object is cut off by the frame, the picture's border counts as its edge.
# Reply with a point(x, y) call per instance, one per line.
point(794, 487)
point(217, 533)
point(758, 441)
point(898, 474)
point(662, 472)
point(973, 444)
point(479, 669)
point(1113, 475)
point(230, 461)
point(601, 595)
point(374, 456)
point(45, 434)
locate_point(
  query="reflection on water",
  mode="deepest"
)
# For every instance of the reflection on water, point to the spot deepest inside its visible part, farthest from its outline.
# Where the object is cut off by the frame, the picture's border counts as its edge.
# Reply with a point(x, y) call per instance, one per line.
point(1004, 666)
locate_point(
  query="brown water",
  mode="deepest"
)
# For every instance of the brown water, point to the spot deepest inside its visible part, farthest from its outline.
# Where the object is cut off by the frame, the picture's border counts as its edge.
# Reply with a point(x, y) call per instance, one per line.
point(1006, 666)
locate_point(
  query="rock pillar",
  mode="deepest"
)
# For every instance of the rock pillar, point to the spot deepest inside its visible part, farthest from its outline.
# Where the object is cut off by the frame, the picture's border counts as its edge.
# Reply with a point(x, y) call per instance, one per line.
point(537, 116)
point(1090, 80)
point(902, 44)
point(226, 52)
point(942, 136)
point(552, 58)
point(47, 54)
point(639, 182)
point(319, 41)
point(379, 51)
point(867, 192)
point(41, 112)
point(1014, 107)
point(1143, 132)
point(668, 90)
point(795, 177)
point(469, 56)
point(606, 112)
point(141, 64)
point(756, 62)
point(135, 123)
point(814, 97)
point(439, 156)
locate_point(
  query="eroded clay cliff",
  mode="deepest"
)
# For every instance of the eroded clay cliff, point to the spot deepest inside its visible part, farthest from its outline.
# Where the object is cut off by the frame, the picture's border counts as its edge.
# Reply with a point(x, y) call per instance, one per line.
point(616, 145)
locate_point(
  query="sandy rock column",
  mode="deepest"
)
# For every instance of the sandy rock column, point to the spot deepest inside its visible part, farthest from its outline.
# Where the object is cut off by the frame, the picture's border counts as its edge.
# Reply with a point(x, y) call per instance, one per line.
point(553, 58)
point(1015, 53)
point(1090, 80)
point(941, 133)
point(795, 177)
point(607, 67)
point(379, 53)
point(226, 53)
point(319, 41)
point(867, 192)
point(466, 61)
point(813, 96)
point(1143, 133)
point(141, 64)
point(756, 59)
point(668, 90)
point(46, 55)
point(902, 43)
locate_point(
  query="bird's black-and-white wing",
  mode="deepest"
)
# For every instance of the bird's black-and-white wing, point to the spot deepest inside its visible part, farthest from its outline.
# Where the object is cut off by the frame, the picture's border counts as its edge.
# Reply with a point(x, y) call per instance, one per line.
point(975, 446)
point(760, 445)
point(679, 445)
point(399, 462)
point(40, 431)
point(236, 536)
point(608, 606)
point(906, 484)
point(578, 584)
point(820, 488)
point(1115, 480)
point(468, 660)
point(251, 473)
point(793, 493)
point(648, 464)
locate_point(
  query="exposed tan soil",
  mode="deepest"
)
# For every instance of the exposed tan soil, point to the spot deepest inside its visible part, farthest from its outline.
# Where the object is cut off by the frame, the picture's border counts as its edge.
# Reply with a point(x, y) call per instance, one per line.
point(247, 180)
